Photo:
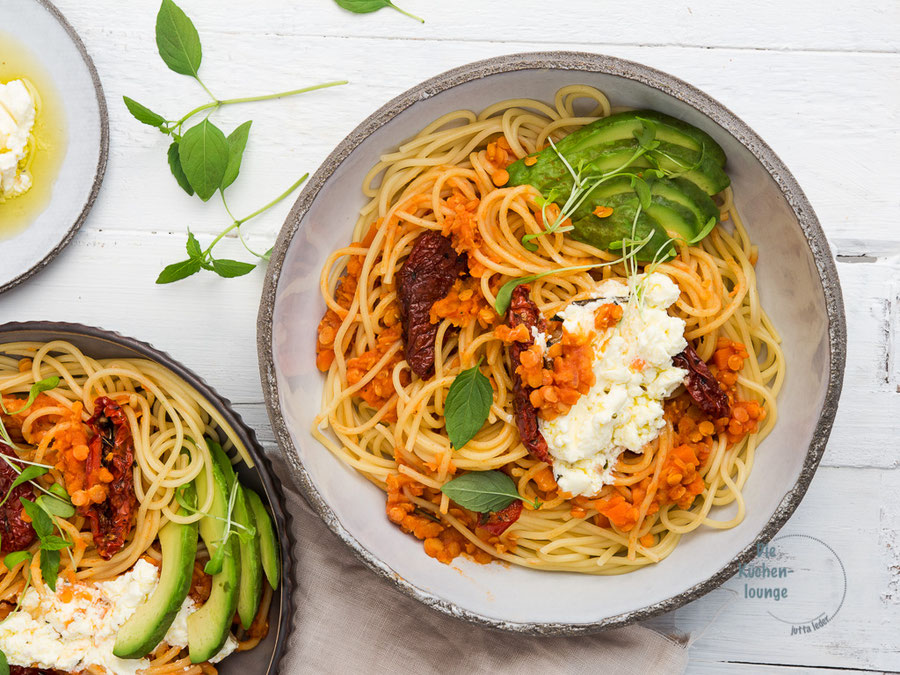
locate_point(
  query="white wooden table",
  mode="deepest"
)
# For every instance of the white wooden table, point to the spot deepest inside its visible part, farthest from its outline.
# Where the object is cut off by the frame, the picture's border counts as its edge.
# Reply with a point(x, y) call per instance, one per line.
point(820, 81)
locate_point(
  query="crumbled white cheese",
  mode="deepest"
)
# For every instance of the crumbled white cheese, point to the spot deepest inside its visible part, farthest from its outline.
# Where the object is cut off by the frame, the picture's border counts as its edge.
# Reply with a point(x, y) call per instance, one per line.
point(17, 114)
point(634, 374)
point(71, 636)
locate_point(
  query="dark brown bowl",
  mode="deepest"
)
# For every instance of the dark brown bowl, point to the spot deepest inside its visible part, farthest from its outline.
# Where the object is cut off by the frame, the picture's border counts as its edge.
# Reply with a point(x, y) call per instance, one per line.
point(98, 343)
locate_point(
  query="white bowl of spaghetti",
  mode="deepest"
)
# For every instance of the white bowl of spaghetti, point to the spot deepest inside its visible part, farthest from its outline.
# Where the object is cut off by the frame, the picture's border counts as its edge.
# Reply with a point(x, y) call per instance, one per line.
point(634, 283)
point(81, 403)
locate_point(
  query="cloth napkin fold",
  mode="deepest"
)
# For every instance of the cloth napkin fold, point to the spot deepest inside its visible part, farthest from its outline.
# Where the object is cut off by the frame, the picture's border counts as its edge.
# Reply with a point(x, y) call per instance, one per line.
point(349, 620)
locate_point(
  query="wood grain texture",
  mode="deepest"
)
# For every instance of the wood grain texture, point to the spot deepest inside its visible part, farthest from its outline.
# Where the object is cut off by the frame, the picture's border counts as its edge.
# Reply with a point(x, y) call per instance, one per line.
point(818, 81)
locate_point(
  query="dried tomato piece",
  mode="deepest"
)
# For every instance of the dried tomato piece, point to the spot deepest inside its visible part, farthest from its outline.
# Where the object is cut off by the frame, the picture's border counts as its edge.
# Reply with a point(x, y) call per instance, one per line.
point(15, 533)
point(702, 386)
point(498, 522)
point(523, 312)
point(23, 670)
point(426, 277)
point(110, 457)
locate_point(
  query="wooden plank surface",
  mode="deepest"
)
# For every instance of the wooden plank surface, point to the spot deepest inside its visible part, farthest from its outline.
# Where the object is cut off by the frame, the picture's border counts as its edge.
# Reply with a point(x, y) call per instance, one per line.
point(818, 81)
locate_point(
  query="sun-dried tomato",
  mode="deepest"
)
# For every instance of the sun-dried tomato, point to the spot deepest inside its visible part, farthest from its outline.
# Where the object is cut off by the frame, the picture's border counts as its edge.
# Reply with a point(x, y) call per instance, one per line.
point(426, 277)
point(15, 533)
point(111, 454)
point(702, 386)
point(523, 312)
point(22, 670)
point(498, 522)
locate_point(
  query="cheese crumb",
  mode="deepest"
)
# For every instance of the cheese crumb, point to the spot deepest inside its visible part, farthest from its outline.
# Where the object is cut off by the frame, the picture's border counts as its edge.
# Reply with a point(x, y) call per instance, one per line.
point(17, 113)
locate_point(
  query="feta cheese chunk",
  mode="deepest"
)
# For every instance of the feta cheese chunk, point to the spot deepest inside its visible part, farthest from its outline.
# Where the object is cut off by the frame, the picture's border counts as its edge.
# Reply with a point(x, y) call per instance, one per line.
point(634, 374)
point(17, 113)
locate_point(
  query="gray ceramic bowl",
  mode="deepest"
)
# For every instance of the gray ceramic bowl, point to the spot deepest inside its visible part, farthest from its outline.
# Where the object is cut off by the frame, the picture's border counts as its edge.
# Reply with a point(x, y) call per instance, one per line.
point(99, 343)
point(797, 281)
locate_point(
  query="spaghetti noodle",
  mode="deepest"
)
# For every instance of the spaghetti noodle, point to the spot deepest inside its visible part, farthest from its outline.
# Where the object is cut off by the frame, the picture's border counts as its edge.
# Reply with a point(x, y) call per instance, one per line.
point(389, 425)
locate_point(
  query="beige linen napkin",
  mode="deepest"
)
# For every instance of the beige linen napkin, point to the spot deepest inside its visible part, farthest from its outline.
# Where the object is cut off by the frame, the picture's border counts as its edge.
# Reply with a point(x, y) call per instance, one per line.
point(349, 620)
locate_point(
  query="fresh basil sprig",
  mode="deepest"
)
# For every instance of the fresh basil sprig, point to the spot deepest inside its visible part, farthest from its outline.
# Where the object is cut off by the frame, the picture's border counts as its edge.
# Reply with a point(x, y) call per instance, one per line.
point(37, 388)
point(483, 491)
point(367, 6)
point(202, 159)
point(50, 544)
point(467, 406)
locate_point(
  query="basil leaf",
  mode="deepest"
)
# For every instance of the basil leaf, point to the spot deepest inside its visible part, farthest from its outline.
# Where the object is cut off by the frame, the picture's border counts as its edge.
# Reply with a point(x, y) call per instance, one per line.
point(4, 664)
point(50, 567)
point(40, 521)
point(193, 247)
point(268, 254)
point(467, 406)
point(177, 40)
point(16, 558)
point(482, 491)
point(178, 271)
point(367, 6)
point(203, 151)
point(231, 268)
point(144, 115)
point(55, 507)
point(177, 171)
point(237, 141)
point(28, 473)
point(54, 543)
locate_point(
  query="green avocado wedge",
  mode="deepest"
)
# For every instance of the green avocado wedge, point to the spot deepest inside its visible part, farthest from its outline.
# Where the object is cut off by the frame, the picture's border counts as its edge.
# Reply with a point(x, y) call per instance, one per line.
point(268, 543)
point(147, 627)
point(250, 591)
point(209, 626)
point(681, 165)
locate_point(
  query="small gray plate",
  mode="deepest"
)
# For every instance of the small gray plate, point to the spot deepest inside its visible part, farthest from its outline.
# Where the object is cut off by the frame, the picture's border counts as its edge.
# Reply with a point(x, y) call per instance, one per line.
point(57, 50)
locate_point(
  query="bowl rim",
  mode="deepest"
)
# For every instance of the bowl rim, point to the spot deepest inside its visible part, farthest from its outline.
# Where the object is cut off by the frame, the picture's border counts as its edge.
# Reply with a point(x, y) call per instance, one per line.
point(678, 89)
point(263, 465)
point(101, 157)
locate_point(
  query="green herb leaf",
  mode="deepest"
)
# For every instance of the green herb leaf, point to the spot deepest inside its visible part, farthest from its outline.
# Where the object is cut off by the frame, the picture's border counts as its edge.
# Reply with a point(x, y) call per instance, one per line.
point(193, 247)
point(214, 565)
point(703, 233)
point(237, 141)
point(177, 40)
point(177, 170)
point(482, 491)
point(231, 268)
point(643, 191)
point(367, 6)
point(528, 243)
point(16, 558)
point(144, 115)
point(203, 151)
point(40, 521)
point(467, 406)
point(59, 491)
point(4, 664)
point(55, 507)
point(50, 567)
point(28, 473)
point(54, 543)
point(178, 271)
point(37, 389)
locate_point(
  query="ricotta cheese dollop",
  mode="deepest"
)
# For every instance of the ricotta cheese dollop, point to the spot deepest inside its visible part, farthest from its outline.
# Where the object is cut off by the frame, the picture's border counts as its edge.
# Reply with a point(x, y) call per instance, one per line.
point(17, 112)
point(76, 627)
point(634, 374)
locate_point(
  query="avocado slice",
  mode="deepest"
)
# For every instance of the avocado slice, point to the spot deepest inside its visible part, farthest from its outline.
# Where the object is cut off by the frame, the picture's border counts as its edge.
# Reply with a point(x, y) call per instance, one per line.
point(250, 591)
point(209, 626)
point(623, 126)
point(687, 194)
point(601, 232)
point(147, 627)
point(268, 543)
